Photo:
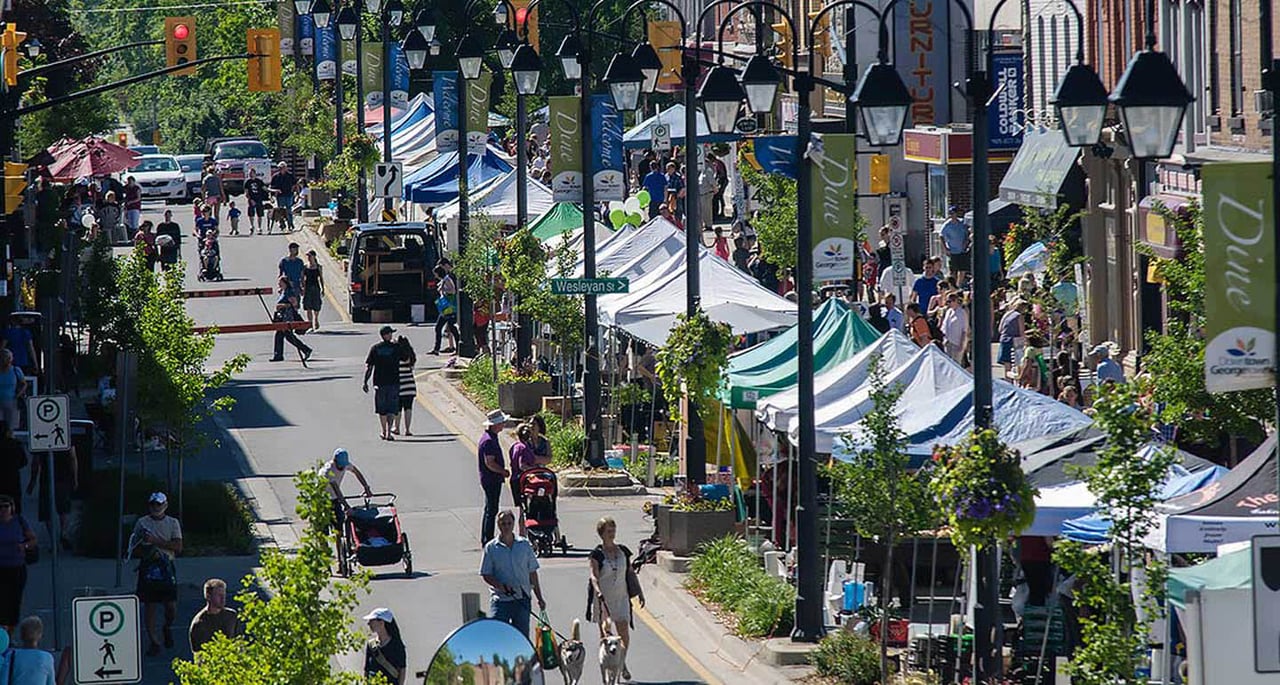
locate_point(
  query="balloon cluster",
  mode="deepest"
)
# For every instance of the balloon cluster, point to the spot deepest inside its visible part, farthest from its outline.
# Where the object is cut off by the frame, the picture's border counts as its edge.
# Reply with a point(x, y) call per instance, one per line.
point(628, 213)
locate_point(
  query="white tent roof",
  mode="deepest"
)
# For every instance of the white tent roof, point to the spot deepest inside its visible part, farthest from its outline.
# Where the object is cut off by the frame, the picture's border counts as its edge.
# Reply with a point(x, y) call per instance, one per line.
point(893, 349)
point(728, 295)
point(673, 117)
point(604, 236)
point(638, 251)
point(497, 199)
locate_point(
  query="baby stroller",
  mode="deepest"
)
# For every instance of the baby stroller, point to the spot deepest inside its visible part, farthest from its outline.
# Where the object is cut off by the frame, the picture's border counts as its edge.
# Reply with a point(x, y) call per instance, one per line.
point(210, 260)
point(539, 490)
point(371, 536)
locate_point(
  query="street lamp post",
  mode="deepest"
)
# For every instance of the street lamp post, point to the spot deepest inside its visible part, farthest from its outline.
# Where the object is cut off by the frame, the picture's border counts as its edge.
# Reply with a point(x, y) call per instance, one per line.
point(346, 26)
point(525, 70)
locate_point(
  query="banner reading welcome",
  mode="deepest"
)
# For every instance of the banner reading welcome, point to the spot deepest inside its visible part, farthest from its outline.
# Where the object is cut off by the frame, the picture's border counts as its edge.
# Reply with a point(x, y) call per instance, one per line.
point(1239, 289)
point(566, 148)
point(835, 204)
point(606, 163)
point(445, 97)
point(478, 113)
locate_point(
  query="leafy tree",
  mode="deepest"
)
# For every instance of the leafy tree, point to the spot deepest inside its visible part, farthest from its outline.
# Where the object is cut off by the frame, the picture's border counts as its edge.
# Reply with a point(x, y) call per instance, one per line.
point(478, 265)
point(1115, 629)
point(876, 486)
point(1058, 229)
point(776, 223)
point(296, 617)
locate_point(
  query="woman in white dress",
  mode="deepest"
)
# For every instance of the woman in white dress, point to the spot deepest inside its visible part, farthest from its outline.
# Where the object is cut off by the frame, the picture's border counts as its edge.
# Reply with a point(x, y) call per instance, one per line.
point(609, 567)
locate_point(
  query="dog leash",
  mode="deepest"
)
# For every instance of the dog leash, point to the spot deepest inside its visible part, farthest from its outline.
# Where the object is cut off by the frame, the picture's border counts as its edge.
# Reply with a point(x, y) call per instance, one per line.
point(557, 633)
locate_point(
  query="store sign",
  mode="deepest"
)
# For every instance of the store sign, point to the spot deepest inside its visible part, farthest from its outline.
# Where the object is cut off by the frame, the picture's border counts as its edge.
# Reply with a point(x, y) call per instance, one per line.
point(922, 40)
point(606, 162)
point(1239, 254)
point(566, 148)
point(445, 94)
point(834, 204)
point(1004, 112)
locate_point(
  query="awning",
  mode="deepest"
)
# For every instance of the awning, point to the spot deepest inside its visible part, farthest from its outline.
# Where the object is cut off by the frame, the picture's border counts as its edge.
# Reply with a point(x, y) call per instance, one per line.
point(1039, 169)
point(1153, 230)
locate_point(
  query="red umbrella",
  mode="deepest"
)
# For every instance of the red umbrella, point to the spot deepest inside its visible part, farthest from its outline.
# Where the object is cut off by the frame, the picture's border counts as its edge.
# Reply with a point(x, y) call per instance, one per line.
point(89, 157)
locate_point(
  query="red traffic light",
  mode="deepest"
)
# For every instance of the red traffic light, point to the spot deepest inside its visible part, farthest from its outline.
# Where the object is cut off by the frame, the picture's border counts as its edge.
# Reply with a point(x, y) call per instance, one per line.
point(522, 14)
point(180, 31)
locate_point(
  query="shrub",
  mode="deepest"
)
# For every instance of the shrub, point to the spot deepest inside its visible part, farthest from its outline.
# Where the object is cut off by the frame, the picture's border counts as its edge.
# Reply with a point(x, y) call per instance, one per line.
point(767, 608)
point(725, 572)
point(477, 382)
point(847, 658)
point(665, 468)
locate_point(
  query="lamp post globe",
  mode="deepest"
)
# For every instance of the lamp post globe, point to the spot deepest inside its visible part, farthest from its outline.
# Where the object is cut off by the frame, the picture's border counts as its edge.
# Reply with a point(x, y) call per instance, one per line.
point(650, 65)
point(470, 56)
point(1081, 106)
point(33, 46)
point(883, 101)
point(721, 97)
point(567, 53)
point(302, 6)
point(415, 49)
point(760, 81)
point(1151, 99)
point(347, 23)
point(500, 13)
point(624, 79)
point(526, 67)
point(506, 47)
point(425, 23)
point(372, 6)
point(395, 12)
point(321, 13)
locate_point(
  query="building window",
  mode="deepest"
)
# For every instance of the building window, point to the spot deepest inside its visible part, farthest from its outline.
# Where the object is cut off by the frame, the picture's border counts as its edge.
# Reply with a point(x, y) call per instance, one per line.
point(937, 192)
point(1215, 70)
point(1237, 57)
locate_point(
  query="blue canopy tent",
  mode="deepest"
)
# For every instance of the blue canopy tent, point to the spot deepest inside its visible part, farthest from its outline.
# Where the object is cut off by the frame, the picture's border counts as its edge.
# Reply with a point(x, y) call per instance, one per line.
point(640, 135)
point(417, 109)
point(437, 182)
point(1092, 528)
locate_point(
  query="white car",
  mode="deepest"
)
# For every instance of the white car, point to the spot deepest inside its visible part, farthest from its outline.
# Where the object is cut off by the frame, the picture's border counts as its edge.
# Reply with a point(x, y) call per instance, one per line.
point(193, 169)
point(160, 177)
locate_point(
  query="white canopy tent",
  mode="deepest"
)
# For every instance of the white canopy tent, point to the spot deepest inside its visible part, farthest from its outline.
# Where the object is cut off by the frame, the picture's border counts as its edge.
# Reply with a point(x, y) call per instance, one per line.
point(728, 295)
point(604, 236)
point(638, 251)
point(497, 200)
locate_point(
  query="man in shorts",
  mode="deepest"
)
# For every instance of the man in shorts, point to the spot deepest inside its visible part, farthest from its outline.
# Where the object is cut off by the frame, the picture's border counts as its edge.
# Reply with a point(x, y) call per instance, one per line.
point(383, 364)
point(955, 237)
point(156, 540)
point(255, 191)
point(333, 472)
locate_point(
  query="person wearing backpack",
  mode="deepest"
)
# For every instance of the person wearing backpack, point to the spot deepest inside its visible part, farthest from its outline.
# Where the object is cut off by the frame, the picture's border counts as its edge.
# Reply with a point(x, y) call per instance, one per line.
point(612, 585)
point(158, 539)
point(17, 542)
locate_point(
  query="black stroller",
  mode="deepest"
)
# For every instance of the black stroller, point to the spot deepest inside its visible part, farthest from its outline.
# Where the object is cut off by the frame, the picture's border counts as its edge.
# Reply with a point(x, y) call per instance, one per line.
point(371, 536)
point(210, 260)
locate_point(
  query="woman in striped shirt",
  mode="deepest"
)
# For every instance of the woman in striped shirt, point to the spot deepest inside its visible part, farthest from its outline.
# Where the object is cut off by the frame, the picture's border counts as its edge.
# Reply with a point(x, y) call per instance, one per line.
point(408, 390)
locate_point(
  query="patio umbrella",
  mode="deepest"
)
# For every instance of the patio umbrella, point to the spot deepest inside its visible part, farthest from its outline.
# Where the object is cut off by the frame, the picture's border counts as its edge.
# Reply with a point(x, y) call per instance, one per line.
point(1033, 260)
point(89, 157)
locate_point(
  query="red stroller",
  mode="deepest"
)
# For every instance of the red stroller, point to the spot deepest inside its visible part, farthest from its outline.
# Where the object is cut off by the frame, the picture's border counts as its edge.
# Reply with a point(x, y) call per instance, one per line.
point(539, 490)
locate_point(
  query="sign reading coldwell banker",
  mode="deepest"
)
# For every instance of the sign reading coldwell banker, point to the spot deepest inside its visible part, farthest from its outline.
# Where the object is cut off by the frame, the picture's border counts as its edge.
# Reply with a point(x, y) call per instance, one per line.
point(606, 167)
point(445, 94)
point(566, 149)
point(1239, 255)
point(834, 202)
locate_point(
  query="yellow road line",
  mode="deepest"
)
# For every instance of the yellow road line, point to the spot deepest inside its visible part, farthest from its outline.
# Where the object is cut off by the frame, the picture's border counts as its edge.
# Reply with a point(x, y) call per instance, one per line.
point(333, 301)
point(674, 645)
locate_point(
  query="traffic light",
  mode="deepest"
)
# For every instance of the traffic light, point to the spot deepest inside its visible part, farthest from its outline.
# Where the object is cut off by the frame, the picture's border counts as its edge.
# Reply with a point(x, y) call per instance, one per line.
point(821, 32)
point(264, 68)
point(15, 182)
point(879, 174)
point(527, 19)
point(180, 43)
point(782, 41)
point(9, 42)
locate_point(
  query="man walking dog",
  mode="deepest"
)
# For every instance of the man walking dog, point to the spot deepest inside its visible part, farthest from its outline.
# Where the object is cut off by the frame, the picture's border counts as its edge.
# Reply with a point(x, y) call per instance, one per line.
point(383, 364)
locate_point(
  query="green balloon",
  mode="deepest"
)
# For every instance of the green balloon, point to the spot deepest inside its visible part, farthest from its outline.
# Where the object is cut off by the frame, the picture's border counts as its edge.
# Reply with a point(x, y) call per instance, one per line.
point(617, 217)
point(635, 219)
point(643, 197)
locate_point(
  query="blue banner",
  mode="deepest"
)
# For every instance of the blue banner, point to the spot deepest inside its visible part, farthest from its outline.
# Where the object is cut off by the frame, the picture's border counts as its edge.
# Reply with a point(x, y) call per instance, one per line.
point(445, 92)
point(399, 76)
point(606, 162)
point(1005, 121)
point(776, 155)
point(306, 35)
point(326, 53)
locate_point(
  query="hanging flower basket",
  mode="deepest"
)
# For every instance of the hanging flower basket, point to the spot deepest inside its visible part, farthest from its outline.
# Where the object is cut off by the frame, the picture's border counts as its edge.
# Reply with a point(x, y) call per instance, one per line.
point(982, 491)
point(693, 361)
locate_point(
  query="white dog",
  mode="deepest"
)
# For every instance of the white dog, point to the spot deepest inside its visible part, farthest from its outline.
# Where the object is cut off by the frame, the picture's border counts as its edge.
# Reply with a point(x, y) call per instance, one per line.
point(572, 656)
point(613, 654)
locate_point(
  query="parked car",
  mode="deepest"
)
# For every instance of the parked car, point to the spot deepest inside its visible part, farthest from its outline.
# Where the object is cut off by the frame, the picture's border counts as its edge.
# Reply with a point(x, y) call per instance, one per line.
point(229, 156)
point(391, 269)
point(160, 177)
point(193, 170)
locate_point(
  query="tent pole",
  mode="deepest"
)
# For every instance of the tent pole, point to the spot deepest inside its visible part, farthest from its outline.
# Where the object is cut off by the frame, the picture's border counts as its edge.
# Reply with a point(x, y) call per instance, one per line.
point(790, 489)
point(933, 598)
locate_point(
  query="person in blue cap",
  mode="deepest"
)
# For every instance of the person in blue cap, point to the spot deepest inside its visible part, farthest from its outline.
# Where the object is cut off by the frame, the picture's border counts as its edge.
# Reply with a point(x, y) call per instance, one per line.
point(333, 472)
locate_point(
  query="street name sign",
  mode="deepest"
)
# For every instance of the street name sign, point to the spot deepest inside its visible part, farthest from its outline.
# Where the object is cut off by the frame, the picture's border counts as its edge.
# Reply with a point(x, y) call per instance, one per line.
point(50, 421)
point(1266, 603)
point(107, 641)
point(590, 286)
point(388, 179)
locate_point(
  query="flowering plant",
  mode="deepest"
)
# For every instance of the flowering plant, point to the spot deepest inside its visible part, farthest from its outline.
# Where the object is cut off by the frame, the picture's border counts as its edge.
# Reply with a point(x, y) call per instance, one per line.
point(982, 491)
point(693, 361)
point(525, 373)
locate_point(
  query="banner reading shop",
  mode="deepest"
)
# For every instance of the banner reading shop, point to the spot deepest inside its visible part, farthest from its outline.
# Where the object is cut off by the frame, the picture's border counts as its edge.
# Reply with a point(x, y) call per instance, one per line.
point(606, 163)
point(1239, 292)
point(478, 112)
point(833, 196)
point(566, 149)
point(445, 95)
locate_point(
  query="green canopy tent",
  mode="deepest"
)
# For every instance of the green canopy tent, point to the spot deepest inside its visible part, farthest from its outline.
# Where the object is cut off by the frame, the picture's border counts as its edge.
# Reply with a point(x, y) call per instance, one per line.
point(1233, 570)
point(563, 217)
point(770, 367)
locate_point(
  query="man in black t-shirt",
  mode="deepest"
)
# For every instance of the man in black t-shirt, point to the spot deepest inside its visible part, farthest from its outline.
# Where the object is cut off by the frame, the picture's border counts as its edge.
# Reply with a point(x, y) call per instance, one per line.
point(255, 191)
point(383, 363)
point(170, 251)
point(283, 184)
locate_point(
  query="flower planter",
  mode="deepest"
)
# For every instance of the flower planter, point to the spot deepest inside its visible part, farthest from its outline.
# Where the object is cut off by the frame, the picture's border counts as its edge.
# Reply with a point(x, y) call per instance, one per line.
point(682, 531)
point(522, 399)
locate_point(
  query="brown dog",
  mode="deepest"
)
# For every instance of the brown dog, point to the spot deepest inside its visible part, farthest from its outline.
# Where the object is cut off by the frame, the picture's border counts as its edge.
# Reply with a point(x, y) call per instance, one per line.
point(572, 656)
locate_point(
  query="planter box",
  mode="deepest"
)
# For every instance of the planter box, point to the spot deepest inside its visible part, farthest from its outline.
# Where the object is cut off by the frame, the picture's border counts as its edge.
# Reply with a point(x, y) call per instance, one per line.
point(522, 399)
point(682, 531)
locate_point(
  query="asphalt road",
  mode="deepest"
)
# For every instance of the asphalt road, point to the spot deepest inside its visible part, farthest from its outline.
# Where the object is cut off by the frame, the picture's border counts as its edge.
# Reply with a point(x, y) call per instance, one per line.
point(288, 418)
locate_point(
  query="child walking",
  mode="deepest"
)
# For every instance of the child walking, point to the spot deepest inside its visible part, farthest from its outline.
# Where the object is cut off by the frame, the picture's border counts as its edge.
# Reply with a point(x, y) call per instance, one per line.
point(233, 213)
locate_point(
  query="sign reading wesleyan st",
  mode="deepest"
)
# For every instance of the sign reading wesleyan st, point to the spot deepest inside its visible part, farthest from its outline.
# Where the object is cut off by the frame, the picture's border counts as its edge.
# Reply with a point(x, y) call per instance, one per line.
point(590, 286)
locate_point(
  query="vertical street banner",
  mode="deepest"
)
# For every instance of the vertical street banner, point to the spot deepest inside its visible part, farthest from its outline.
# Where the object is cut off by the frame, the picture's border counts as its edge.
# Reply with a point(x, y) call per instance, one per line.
point(566, 148)
point(399, 77)
point(284, 19)
point(834, 201)
point(326, 53)
point(371, 55)
point(350, 66)
point(920, 48)
point(606, 162)
point(306, 35)
point(445, 95)
point(1004, 117)
point(665, 38)
point(478, 112)
point(776, 155)
point(1239, 292)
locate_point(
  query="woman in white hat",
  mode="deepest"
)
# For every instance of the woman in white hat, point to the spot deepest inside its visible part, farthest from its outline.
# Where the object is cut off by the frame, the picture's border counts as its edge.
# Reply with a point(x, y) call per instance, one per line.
point(385, 652)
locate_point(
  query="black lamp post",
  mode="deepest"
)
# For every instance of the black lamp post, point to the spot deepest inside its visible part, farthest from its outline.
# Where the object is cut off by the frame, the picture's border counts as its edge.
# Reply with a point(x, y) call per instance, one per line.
point(32, 46)
point(883, 101)
point(1151, 98)
point(760, 81)
point(322, 21)
point(721, 97)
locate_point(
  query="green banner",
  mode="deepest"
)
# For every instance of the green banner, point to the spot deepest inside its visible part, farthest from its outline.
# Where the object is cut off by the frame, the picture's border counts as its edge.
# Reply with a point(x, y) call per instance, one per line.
point(566, 148)
point(285, 20)
point(347, 49)
point(371, 55)
point(1239, 291)
point(833, 193)
point(477, 124)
